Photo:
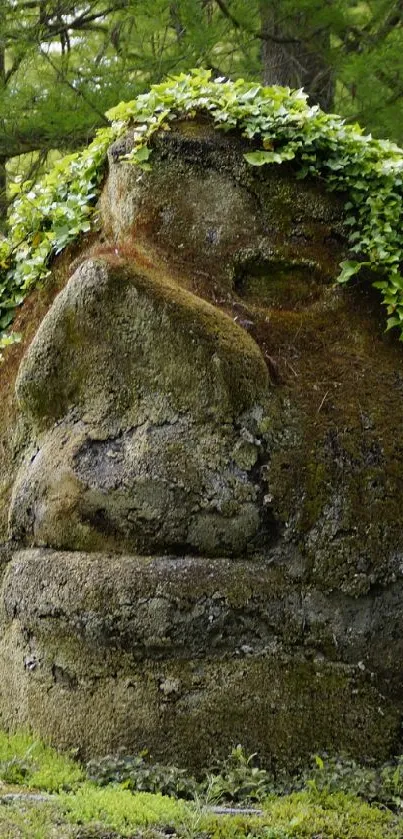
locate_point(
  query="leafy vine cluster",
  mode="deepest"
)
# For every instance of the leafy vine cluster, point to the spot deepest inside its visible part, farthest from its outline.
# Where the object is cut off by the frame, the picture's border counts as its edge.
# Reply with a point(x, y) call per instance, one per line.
point(52, 213)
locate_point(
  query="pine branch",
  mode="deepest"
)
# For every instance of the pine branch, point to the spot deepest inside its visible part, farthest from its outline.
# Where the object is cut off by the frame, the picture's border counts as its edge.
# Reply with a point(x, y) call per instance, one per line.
point(77, 91)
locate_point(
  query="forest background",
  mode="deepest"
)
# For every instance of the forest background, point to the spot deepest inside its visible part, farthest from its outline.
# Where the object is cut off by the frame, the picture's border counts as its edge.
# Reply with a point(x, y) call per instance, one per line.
point(64, 63)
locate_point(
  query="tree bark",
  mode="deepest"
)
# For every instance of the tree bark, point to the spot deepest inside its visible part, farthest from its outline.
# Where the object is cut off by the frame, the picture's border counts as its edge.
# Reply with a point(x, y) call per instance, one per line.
point(3, 193)
point(3, 158)
point(294, 58)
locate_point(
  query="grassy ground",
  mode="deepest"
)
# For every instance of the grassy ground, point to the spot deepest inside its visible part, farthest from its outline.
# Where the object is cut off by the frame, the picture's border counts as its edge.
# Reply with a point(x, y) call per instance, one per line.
point(44, 794)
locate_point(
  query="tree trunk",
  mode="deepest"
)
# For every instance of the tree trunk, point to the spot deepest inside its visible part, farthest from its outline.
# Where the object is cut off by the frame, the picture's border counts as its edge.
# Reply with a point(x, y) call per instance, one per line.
point(3, 194)
point(176, 22)
point(3, 159)
point(293, 58)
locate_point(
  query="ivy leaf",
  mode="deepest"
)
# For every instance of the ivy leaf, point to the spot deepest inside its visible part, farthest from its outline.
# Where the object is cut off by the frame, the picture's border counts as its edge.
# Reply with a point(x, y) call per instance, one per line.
point(37, 238)
point(348, 269)
point(139, 156)
point(250, 94)
point(393, 321)
point(260, 158)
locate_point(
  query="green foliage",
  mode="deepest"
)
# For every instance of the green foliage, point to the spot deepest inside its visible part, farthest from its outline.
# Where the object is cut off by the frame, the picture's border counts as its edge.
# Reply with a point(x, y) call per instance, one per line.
point(369, 65)
point(27, 761)
point(136, 773)
point(380, 784)
point(237, 779)
point(281, 125)
point(326, 801)
point(240, 779)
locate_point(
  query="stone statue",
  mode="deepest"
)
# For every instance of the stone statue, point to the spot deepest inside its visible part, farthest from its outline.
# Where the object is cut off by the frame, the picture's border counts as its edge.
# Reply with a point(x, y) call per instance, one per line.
point(200, 475)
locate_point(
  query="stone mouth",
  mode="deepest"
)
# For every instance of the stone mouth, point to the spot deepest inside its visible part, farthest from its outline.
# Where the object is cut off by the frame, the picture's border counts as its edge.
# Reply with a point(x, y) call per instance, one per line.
point(191, 606)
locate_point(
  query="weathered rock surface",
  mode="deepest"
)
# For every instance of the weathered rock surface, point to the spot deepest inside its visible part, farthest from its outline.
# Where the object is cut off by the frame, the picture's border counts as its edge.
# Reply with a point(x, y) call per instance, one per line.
point(188, 656)
point(203, 479)
point(142, 405)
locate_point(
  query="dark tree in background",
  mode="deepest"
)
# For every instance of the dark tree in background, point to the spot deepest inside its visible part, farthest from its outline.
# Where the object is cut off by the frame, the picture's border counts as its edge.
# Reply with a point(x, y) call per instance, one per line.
point(296, 49)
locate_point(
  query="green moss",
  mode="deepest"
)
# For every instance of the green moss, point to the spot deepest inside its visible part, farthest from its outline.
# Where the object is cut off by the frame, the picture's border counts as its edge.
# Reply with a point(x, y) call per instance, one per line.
point(320, 807)
point(282, 285)
point(214, 333)
point(30, 819)
point(316, 493)
point(23, 759)
point(334, 477)
point(123, 810)
point(100, 811)
point(307, 814)
point(285, 709)
point(204, 358)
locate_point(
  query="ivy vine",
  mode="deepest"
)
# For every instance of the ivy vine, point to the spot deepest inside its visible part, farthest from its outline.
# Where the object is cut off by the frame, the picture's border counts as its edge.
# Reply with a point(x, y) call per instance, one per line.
point(52, 213)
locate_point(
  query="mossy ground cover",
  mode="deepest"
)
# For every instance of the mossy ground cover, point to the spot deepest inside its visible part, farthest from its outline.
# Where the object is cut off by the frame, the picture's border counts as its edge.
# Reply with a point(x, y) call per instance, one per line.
point(44, 794)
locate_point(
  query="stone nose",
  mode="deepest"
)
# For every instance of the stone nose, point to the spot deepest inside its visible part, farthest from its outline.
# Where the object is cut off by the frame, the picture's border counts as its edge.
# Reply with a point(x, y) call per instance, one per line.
point(139, 396)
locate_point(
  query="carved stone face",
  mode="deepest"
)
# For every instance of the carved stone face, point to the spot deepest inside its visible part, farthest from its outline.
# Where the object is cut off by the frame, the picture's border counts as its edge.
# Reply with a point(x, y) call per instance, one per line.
point(146, 405)
point(221, 228)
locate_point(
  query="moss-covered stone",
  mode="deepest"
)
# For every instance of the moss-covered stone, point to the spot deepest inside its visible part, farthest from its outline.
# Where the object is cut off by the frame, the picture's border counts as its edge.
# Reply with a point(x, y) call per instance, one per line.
point(182, 344)
point(13, 432)
point(208, 216)
point(151, 390)
point(183, 657)
point(201, 387)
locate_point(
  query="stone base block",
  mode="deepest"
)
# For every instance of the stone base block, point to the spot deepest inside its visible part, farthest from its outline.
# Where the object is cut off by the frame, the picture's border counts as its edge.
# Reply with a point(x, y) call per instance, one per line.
point(185, 657)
